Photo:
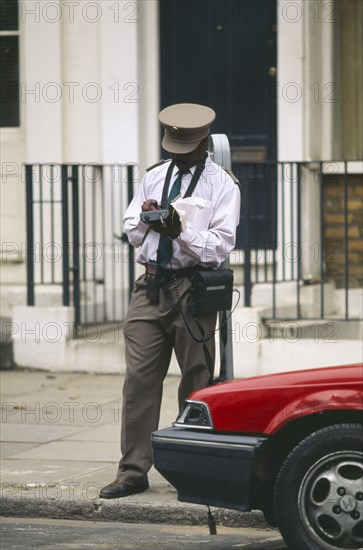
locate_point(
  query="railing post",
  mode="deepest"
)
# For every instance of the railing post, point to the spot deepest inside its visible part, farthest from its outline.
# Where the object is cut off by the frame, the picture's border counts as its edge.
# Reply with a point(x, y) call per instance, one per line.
point(246, 238)
point(322, 270)
point(65, 235)
point(247, 277)
point(346, 244)
point(299, 243)
point(29, 234)
point(130, 194)
point(75, 228)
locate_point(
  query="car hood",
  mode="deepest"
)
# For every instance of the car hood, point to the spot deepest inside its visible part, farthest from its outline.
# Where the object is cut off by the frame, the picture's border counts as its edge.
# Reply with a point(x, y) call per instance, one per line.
point(262, 404)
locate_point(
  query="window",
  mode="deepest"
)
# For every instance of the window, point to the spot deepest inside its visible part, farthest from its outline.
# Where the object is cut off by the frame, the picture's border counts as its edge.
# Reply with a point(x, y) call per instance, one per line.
point(9, 64)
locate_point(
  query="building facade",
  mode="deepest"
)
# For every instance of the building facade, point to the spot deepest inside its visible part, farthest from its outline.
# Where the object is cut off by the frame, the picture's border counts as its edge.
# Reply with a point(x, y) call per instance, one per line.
point(85, 80)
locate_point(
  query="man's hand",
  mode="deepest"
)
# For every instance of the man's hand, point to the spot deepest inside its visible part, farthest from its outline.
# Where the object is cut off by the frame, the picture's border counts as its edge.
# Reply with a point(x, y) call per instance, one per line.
point(167, 229)
point(149, 204)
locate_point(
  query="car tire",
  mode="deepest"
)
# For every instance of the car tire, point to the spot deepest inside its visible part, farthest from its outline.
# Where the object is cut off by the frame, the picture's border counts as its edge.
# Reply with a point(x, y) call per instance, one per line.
point(318, 498)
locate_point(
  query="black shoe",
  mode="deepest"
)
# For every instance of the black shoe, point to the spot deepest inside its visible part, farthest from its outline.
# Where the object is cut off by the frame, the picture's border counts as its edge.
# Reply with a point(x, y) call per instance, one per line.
point(118, 490)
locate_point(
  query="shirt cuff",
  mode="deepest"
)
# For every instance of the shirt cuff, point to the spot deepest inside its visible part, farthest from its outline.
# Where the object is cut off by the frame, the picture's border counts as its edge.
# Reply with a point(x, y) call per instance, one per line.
point(137, 233)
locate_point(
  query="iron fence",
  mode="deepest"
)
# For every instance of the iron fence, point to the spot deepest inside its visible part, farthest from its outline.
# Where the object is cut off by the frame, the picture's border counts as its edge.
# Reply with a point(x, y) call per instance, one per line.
point(312, 243)
point(293, 253)
point(75, 240)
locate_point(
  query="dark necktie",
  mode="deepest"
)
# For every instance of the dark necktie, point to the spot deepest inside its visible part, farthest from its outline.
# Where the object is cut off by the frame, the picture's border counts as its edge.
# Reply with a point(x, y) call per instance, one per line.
point(165, 248)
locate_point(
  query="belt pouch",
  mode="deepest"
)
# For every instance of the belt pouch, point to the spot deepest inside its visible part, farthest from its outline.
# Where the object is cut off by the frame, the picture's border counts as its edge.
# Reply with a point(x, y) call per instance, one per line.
point(153, 274)
point(211, 291)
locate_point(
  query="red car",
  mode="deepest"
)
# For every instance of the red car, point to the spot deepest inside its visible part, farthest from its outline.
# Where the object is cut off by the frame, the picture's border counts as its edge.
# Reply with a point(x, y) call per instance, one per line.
point(289, 444)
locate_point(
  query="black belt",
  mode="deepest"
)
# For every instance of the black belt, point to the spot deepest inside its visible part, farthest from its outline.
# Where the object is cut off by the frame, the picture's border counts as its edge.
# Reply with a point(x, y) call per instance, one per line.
point(170, 274)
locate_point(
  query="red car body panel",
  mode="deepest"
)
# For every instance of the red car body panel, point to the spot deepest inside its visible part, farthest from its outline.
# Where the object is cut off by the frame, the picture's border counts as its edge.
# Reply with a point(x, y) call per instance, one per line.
point(264, 404)
point(229, 452)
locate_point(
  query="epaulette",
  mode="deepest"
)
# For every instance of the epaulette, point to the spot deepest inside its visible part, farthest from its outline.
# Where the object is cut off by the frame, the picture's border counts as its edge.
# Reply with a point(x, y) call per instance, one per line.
point(232, 175)
point(156, 165)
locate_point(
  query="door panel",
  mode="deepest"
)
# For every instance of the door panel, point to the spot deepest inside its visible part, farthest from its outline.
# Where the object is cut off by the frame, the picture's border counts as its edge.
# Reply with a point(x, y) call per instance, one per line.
point(223, 54)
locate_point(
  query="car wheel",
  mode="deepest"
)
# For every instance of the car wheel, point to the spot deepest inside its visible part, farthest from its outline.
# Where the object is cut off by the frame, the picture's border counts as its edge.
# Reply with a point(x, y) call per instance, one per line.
point(319, 491)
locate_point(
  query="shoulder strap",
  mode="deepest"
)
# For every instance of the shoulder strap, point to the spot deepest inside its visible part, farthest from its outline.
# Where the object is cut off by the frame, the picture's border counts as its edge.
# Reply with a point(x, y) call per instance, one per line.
point(164, 196)
point(198, 171)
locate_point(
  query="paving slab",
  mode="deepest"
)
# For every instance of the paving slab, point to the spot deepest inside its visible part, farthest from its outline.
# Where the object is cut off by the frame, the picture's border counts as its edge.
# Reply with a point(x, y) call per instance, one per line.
point(108, 432)
point(20, 473)
point(35, 433)
point(9, 449)
point(109, 451)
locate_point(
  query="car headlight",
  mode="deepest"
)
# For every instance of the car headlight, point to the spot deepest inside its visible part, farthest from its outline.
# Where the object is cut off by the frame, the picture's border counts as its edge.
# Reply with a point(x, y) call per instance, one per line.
point(195, 414)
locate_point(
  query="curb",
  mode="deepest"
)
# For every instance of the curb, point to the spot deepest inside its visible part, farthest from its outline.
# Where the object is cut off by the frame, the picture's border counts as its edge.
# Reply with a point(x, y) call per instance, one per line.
point(128, 512)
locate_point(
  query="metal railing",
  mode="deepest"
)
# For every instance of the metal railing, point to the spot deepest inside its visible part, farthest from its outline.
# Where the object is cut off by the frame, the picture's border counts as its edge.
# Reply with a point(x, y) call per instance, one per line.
point(74, 239)
point(309, 225)
point(314, 219)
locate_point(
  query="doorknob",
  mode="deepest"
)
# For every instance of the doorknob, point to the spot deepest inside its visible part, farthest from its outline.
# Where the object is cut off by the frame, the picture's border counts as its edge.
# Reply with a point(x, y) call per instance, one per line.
point(272, 71)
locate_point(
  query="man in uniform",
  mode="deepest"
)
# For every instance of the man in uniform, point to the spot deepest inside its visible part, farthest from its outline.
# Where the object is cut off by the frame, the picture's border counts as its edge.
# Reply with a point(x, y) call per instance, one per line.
point(157, 325)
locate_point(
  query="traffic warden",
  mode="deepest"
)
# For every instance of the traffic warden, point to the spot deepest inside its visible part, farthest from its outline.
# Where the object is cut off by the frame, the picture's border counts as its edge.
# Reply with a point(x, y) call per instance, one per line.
point(159, 314)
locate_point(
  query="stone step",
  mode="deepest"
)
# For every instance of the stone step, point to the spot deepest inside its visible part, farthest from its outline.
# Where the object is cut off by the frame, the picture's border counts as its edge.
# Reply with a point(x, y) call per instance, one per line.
point(329, 331)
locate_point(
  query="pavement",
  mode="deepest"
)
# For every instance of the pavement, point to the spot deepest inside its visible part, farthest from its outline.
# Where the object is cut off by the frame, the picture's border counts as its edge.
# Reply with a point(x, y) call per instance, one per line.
point(60, 444)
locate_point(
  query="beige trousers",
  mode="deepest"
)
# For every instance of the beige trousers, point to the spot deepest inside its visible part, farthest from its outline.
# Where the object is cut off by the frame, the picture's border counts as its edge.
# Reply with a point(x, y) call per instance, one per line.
point(151, 332)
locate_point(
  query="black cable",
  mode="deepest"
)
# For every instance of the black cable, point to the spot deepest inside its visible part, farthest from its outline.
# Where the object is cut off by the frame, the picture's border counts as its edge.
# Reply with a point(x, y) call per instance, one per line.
point(206, 338)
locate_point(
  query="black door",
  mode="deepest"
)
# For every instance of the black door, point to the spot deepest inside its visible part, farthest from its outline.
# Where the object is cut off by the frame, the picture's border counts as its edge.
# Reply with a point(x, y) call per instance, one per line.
point(222, 53)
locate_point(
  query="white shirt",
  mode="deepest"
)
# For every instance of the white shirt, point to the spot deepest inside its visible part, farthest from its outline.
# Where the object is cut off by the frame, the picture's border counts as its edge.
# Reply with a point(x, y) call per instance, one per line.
point(206, 245)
